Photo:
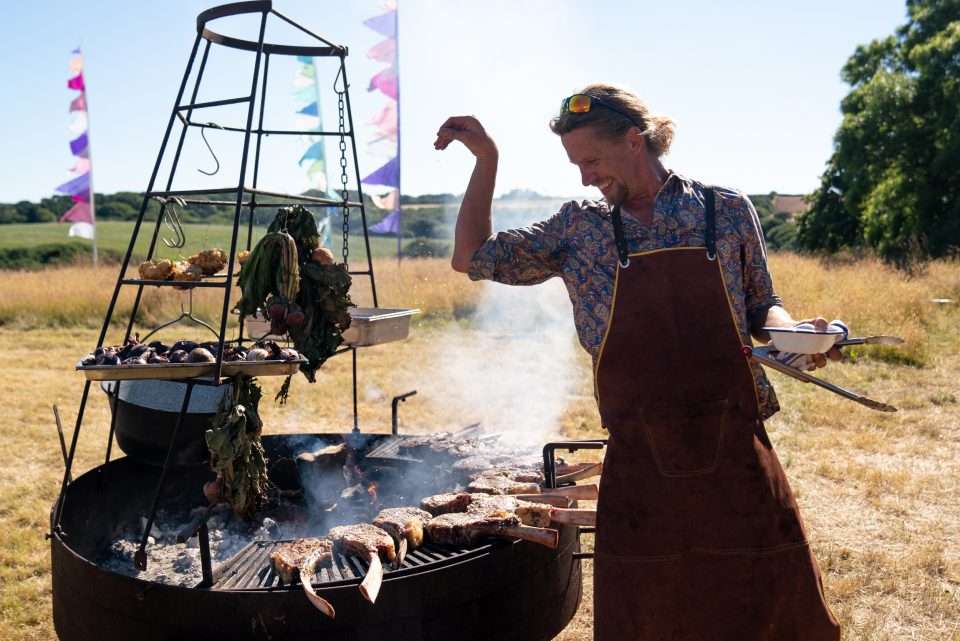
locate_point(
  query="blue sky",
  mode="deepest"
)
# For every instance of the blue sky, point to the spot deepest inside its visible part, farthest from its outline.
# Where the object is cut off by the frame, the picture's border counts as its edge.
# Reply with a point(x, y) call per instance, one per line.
point(754, 86)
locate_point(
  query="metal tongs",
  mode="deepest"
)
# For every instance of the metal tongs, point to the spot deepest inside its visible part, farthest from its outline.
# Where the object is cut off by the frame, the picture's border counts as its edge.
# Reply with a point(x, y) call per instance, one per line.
point(763, 356)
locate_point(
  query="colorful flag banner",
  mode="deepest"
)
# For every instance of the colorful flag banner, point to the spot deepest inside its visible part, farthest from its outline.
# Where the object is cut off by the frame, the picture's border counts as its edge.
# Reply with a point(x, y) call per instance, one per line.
point(307, 95)
point(80, 187)
point(387, 122)
point(389, 225)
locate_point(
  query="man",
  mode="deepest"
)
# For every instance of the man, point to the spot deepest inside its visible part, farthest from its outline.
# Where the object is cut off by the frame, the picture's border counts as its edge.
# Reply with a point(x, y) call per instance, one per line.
point(698, 534)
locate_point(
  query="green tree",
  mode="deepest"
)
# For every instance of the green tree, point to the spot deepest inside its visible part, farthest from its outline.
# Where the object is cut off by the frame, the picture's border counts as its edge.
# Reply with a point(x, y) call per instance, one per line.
point(893, 181)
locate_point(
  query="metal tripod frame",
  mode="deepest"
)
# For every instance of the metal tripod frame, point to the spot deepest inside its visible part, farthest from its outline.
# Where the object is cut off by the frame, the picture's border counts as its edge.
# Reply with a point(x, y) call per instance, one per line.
point(246, 198)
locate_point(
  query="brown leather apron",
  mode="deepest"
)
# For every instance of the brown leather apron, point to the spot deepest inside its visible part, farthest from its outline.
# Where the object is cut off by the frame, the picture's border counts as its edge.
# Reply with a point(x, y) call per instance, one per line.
point(698, 534)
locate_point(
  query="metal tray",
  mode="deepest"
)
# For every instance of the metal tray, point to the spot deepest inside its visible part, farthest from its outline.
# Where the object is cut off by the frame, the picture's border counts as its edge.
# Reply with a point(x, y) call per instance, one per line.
point(178, 371)
point(376, 325)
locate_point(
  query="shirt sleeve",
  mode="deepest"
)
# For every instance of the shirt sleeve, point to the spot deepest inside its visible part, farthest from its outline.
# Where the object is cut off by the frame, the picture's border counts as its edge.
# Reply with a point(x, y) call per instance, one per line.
point(524, 256)
point(759, 294)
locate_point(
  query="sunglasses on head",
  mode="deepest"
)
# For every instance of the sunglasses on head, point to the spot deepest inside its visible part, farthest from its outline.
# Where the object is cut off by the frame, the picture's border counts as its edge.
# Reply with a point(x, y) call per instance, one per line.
point(581, 103)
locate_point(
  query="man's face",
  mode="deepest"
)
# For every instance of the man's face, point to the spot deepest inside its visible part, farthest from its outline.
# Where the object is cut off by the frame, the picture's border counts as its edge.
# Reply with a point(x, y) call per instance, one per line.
point(609, 165)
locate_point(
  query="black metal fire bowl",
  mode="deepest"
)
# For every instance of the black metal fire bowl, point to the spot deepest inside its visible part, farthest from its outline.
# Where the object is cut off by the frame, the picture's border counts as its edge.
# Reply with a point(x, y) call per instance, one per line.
point(499, 590)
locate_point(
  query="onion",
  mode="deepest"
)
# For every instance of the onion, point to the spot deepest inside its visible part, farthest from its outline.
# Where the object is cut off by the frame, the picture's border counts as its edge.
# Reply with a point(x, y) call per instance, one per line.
point(257, 354)
point(322, 255)
point(200, 355)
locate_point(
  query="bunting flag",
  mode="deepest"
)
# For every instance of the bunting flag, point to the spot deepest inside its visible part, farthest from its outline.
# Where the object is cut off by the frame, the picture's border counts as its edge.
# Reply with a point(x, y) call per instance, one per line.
point(387, 121)
point(306, 92)
point(80, 187)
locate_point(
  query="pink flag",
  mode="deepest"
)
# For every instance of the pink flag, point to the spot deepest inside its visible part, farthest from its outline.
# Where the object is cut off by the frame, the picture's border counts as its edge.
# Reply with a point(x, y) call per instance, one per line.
point(79, 213)
point(385, 51)
point(76, 82)
point(82, 166)
point(79, 103)
point(386, 122)
point(385, 81)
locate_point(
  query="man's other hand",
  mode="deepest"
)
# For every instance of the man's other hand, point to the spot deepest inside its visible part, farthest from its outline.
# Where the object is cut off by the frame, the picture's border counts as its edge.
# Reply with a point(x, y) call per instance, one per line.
point(833, 354)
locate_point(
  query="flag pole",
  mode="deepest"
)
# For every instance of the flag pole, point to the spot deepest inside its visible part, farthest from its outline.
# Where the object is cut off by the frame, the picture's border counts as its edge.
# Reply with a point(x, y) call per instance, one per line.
point(93, 210)
point(396, 62)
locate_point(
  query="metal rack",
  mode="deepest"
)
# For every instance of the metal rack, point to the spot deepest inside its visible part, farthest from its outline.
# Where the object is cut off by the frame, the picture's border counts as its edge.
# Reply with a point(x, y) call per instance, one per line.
point(246, 202)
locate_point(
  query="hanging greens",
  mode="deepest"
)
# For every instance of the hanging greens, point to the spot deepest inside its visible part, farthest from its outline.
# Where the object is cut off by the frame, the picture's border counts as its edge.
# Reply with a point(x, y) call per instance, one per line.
point(295, 284)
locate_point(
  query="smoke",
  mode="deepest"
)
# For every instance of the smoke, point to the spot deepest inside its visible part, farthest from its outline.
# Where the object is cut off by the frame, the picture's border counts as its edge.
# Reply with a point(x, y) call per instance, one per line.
point(514, 369)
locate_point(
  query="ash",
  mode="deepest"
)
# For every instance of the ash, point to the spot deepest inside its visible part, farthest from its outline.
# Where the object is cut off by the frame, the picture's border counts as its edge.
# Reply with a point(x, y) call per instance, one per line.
point(172, 563)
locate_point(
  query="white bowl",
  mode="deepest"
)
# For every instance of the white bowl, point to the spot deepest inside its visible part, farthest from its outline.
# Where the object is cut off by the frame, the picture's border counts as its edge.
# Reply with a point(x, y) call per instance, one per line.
point(804, 340)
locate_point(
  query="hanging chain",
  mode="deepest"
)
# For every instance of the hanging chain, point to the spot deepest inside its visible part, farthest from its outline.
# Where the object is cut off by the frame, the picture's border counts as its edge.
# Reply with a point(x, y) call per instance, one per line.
point(343, 174)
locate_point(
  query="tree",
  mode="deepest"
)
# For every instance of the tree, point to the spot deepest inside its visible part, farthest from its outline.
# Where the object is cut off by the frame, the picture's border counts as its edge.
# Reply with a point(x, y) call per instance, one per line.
point(893, 181)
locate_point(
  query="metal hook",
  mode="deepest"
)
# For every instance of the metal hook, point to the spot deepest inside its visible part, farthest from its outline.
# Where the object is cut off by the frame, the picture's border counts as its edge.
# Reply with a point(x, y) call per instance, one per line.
point(170, 218)
point(203, 134)
point(184, 315)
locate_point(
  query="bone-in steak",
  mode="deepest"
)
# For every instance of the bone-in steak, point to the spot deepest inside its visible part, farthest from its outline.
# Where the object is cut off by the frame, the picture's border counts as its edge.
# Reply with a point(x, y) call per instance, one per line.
point(535, 514)
point(501, 485)
point(288, 558)
point(467, 529)
point(404, 523)
point(363, 540)
point(446, 503)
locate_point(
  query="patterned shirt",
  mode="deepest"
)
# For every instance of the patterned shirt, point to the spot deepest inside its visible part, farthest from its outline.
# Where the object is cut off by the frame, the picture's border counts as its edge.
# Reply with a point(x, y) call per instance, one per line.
point(577, 244)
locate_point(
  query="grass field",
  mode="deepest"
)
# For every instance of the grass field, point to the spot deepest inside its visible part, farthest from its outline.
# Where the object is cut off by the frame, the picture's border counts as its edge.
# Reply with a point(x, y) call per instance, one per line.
point(115, 235)
point(878, 491)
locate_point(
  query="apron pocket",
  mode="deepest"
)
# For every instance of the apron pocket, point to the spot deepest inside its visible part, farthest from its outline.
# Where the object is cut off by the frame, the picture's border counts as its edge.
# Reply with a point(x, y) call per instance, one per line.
point(686, 440)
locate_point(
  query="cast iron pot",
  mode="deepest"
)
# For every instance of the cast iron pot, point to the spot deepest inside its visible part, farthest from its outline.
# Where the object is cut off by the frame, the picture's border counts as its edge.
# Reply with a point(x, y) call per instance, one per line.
point(146, 414)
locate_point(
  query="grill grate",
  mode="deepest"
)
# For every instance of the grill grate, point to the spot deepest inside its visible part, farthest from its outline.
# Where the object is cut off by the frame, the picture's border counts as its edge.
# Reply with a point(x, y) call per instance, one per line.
point(250, 568)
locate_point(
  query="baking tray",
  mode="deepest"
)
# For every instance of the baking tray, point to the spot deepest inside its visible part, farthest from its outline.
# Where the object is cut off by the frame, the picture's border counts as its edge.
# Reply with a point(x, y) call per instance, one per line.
point(377, 325)
point(178, 371)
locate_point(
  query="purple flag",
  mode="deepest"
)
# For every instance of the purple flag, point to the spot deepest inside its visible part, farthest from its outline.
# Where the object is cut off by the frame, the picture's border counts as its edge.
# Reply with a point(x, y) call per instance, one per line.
point(79, 144)
point(388, 174)
point(82, 197)
point(76, 186)
point(384, 24)
point(389, 225)
point(76, 82)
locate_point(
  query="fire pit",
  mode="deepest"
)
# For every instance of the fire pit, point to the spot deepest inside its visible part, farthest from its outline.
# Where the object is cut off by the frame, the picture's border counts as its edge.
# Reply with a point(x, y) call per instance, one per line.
point(496, 590)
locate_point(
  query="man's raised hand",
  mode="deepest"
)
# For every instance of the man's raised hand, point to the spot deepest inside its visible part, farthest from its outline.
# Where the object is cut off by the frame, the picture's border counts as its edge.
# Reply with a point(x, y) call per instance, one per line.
point(468, 131)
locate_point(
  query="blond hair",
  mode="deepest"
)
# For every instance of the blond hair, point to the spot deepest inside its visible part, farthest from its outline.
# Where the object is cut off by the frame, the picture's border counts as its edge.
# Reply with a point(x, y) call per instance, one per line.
point(658, 130)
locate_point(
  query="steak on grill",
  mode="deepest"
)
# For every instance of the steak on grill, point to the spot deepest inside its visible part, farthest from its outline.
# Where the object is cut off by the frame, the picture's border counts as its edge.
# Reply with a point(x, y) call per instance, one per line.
point(369, 542)
point(288, 558)
point(467, 529)
point(303, 557)
point(501, 485)
point(405, 525)
point(531, 512)
point(446, 503)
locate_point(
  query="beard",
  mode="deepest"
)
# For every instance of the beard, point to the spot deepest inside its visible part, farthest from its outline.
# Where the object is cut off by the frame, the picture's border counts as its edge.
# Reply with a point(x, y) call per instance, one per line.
point(616, 194)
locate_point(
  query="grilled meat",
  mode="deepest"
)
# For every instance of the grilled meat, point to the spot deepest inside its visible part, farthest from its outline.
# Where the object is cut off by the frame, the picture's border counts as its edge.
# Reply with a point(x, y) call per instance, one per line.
point(369, 542)
point(442, 444)
point(535, 514)
point(405, 525)
point(501, 485)
point(446, 503)
point(288, 558)
point(363, 540)
point(461, 528)
point(302, 558)
point(467, 529)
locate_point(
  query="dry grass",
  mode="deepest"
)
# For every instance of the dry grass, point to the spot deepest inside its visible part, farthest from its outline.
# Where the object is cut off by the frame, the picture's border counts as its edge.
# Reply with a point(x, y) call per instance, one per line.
point(878, 491)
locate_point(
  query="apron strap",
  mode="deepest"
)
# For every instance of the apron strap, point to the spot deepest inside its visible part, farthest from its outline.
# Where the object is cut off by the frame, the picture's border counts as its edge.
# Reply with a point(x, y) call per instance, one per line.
point(710, 233)
point(618, 237)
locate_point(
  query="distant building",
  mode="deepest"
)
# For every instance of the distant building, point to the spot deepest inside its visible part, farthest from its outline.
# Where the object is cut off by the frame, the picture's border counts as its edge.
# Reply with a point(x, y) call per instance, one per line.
point(793, 205)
